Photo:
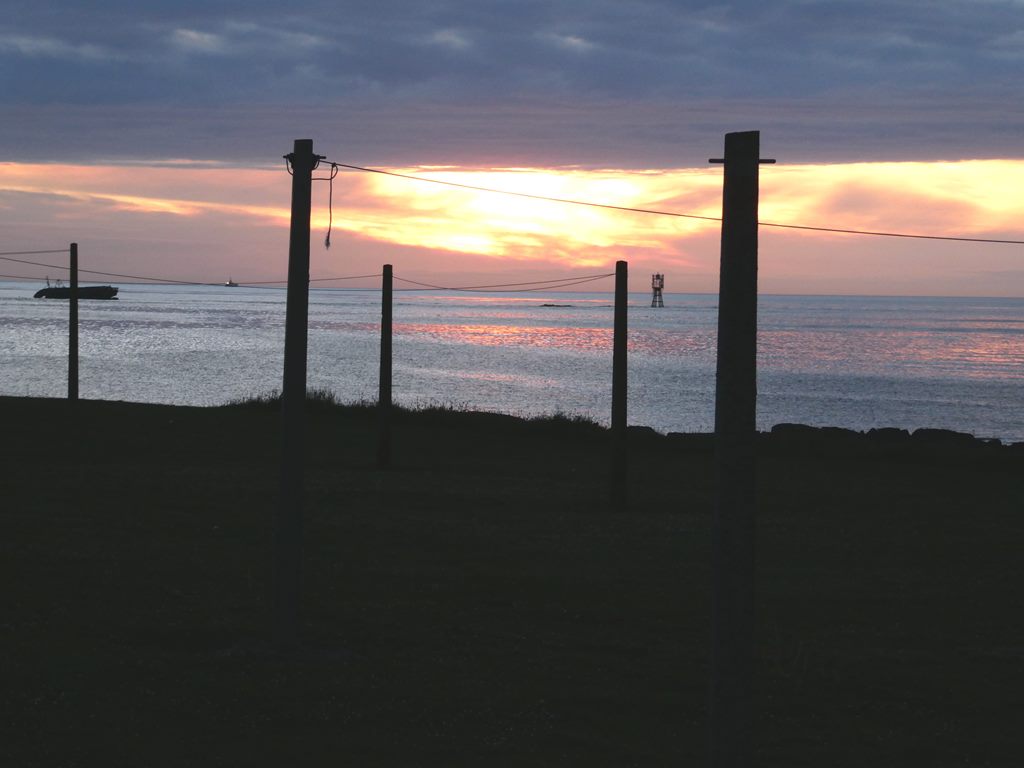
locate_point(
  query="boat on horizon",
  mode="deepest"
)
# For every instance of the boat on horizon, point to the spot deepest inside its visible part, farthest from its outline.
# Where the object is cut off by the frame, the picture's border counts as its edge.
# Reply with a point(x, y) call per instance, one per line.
point(230, 284)
point(61, 291)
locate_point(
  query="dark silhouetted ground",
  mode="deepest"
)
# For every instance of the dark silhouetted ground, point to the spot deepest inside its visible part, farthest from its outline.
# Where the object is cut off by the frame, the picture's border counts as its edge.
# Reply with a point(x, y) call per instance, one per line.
point(480, 605)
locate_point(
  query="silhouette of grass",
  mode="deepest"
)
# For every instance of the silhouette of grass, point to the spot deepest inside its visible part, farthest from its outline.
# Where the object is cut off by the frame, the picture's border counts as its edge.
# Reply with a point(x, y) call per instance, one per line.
point(479, 603)
point(315, 397)
point(427, 409)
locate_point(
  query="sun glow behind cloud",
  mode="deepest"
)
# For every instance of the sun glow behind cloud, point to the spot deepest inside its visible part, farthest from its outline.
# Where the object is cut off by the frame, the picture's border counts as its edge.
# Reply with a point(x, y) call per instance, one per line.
point(172, 188)
point(498, 225)
point(946, 198)
point(207, 206)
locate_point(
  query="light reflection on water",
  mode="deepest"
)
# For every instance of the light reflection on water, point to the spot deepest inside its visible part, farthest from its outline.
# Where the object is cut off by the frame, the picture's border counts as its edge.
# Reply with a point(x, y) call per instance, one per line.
point(858, 362)
point(547, 337)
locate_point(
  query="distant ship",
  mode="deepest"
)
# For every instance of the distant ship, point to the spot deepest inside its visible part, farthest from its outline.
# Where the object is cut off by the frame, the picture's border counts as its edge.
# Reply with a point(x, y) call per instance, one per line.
point(60, 291)
point(230, 284)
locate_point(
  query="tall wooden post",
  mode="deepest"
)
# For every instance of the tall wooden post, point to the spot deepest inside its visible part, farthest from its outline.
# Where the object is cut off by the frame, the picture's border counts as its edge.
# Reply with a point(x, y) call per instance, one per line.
point(73, 327)
point(732, 622)
point(288, 532)
point(384, 394)
point(620, 456)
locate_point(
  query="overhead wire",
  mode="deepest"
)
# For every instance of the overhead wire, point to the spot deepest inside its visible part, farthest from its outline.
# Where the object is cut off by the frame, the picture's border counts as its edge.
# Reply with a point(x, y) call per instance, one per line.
point(500, 287)
point(521, 287)
point(312, 279)
point(150, 278)
point(524, 286)
point(676, 214)
point(31, 253)
point(529, 195)
point(35, 263)
point(506, 285)
point(892, 234)
point(108, 274)
point(534, 285)
point(548, 286)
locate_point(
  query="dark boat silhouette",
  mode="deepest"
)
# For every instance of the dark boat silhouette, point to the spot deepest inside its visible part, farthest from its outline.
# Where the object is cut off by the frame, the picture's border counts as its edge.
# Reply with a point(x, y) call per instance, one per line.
point(59, 291)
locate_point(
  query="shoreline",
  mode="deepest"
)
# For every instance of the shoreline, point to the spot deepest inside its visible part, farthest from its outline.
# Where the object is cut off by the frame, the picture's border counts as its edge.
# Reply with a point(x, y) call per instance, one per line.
point(789, 434)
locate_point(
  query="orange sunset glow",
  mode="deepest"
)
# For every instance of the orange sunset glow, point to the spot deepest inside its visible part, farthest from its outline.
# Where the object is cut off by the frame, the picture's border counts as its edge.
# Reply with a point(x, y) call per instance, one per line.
point(202, 219)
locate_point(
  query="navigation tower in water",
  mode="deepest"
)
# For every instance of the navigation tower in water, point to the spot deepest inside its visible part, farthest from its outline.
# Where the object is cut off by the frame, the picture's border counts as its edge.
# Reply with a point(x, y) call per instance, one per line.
point(657, 284)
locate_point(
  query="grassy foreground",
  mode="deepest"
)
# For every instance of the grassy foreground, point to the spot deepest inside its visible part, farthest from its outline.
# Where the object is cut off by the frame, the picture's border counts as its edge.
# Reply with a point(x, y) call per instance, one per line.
point(480, 605)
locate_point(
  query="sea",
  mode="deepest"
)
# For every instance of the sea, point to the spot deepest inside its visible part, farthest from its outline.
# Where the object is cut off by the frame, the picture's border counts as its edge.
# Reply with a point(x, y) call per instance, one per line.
point(858, 362)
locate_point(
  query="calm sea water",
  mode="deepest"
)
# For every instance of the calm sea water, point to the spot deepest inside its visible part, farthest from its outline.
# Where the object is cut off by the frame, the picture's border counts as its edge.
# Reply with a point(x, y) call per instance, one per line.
point(856, 362)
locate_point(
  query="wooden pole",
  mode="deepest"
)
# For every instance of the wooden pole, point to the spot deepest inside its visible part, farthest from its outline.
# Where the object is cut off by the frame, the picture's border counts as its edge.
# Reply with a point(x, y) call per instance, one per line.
point(288, 532)
point(73, 327)
point(620, 457)
point(732, 623)
point(384, 395)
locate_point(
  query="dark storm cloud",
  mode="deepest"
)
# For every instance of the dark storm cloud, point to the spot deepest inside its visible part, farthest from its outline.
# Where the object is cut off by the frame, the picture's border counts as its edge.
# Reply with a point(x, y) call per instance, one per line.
point(592, 82)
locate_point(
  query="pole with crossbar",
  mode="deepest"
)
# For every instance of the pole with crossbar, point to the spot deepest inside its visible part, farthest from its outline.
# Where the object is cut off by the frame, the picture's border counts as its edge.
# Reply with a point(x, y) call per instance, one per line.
point(732, 622)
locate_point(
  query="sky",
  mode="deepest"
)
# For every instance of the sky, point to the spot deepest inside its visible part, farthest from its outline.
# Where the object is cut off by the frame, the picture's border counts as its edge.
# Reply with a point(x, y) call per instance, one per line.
point(153, 134)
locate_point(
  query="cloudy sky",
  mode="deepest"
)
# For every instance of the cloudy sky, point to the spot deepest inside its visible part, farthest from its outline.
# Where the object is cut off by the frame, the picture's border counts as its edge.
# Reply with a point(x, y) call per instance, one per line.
point(154, 137)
